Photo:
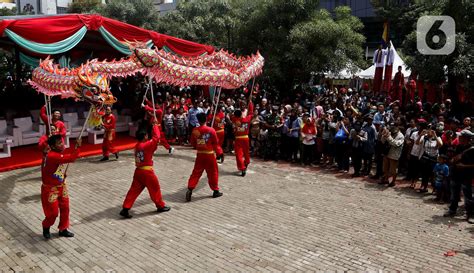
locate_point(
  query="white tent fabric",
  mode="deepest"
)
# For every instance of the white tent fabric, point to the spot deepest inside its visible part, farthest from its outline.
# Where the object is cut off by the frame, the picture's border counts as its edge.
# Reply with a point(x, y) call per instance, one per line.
point(343, 74)
point(369, 72)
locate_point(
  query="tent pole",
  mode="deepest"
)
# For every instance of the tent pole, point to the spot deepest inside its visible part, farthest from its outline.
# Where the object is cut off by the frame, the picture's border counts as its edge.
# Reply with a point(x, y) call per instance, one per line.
point(18, 69)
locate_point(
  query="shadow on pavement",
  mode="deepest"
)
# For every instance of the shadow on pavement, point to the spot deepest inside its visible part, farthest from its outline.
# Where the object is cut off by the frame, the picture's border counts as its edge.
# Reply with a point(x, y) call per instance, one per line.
point(18, 230)
point(449, 221)
point(180, 196)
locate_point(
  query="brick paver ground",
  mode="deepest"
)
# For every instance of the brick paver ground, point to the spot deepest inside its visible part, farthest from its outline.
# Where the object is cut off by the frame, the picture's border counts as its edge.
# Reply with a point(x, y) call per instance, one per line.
point(277, 218)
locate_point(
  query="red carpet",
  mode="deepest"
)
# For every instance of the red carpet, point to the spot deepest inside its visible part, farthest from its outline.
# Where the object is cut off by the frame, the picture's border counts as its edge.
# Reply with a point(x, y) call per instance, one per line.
point(29, 156)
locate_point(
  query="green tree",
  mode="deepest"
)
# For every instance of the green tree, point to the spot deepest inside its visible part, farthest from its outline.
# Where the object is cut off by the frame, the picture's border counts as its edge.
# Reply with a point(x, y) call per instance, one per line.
point(141, 13)
point(213, 22)
point(7, 12)
point(85, 6)
point(328, 44)
point(282, 30)
point(435, 68)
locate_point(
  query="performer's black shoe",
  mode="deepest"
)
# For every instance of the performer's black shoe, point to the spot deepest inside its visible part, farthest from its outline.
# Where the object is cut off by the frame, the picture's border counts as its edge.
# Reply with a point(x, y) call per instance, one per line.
point(449, 213)
point(116, 155)
point(222, 158)
point(244, 172)
point(66, 233)
point(216, 194)
point(163, 209)
point(124, 213)
point(46, 233)
point(105, 158)
point(171, 150)
point(188, 195)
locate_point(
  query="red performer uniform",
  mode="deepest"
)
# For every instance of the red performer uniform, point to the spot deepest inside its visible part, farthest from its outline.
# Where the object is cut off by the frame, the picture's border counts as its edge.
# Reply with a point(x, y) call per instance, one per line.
point(241, 131)
point(43, 144)
point(54, 193)
point(109, 135)
point(60, 127)
point(398, 83)
point(204, 139)
point(144, 176)
point(219, 127)
point(159, 119)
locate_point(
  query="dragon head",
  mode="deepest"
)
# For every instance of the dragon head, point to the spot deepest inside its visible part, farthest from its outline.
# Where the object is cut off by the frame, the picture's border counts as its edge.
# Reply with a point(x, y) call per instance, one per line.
point(94, 88)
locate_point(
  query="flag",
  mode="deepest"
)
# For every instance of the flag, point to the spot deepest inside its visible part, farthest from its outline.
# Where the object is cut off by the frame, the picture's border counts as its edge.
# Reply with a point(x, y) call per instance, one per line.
point(385, 34)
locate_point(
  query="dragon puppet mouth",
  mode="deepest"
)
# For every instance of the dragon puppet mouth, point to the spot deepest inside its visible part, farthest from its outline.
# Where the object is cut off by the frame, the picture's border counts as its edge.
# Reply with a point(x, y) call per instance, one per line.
point(102, 102)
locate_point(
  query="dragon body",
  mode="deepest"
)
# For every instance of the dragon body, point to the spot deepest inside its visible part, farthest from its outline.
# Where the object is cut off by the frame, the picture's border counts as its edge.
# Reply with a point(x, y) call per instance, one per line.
point(90, 81)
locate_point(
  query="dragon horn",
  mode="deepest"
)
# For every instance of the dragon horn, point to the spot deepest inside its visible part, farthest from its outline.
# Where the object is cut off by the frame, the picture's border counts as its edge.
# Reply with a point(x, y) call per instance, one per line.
point(89, 80)
point(80, 73)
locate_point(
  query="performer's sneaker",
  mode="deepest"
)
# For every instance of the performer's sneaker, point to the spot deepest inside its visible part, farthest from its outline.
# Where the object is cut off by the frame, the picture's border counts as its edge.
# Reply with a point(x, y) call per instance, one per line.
point(222, 158)
point(171, 150)
point(244, 172)
point(124, 213)
point(163, 209)
point(116, 155)
point(46, 233)
point(216, 194)
point(188, 195)
point(105, 158)
point(66, 233)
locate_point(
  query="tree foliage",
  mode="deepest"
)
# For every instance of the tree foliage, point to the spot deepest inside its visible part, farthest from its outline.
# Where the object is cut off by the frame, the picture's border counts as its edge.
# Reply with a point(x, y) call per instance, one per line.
point(293, 35)
point(136, 12)
point(212, 22)
point(328, 44)
point(434, 68)
point(85, 6)
point(140, 13)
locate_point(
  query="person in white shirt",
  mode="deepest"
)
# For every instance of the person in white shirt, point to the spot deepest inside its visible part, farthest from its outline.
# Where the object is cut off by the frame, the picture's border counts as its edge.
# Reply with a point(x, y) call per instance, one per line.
point(413, 173)
point(379, 61)
point(430, 144)
point(389, 59)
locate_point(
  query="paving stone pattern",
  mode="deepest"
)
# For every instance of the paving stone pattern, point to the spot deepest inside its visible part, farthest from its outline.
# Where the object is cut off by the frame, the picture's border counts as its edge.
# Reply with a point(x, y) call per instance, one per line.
point(278, 218)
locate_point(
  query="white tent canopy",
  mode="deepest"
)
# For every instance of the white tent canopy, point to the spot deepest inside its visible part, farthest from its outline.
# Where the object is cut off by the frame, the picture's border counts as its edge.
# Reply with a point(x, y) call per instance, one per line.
point(347, 73)
point(397, 61)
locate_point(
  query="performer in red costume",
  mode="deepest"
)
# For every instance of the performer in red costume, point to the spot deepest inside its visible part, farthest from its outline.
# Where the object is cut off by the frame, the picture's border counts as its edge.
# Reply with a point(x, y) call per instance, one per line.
point(43, 142)
point(148, 105)
point(108, 121)
point(54, 193)
point(144, 176)
point(204, 139)
point(219, 123)
point(55, 121)
point(398, 84)
point(241, 124)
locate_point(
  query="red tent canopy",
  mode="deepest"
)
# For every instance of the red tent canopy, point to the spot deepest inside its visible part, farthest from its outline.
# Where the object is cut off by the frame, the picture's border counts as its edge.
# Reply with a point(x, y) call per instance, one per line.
point(53, 29)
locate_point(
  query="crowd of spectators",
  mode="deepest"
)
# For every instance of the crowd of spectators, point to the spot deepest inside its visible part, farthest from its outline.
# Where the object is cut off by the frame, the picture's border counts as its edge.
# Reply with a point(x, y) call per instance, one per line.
point(429, 145)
